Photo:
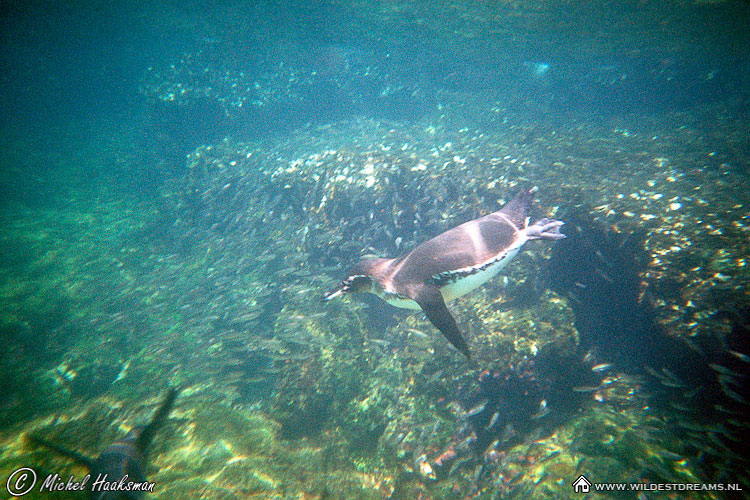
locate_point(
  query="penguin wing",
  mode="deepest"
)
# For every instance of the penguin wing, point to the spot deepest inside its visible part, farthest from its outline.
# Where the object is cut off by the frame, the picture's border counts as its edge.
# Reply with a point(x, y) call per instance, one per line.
point(60, 450)
point(431, 301)
point(146, 435)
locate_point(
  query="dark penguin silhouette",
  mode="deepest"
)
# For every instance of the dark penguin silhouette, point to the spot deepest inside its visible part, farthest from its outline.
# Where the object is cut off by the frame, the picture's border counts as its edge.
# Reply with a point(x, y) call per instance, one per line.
point(451, 264)
point(127, 456)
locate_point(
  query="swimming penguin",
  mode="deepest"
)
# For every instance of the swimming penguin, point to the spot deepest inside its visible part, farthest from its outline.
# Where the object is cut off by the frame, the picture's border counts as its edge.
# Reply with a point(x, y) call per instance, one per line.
point(122, 458)
point(451, 264)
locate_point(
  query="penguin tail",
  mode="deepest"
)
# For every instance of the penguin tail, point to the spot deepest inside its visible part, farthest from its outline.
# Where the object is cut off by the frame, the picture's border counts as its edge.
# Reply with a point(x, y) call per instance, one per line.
point(517, 209)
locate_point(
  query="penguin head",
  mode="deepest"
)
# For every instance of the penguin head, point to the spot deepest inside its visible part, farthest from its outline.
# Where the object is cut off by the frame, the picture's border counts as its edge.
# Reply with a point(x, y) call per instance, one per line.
point(354, 283)
point(363, 277)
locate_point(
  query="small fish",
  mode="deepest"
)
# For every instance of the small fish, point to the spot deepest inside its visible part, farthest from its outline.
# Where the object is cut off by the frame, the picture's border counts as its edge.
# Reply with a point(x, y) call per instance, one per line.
point(604, 276)
point(649, 429)
point(265, 257)
point(296, 340)
point(666, 377)
point(729, 392)
point(601, 367)
point(549, 457)
point(722, 369)
point(455, 407)
point(477, 473)
point(245, 318)
point(742, 357)
point(464, 427)
point(543, 410)
point(435, 428)
point(271, 370)
point(516, 479)
point(694, 346)
point(475, 410)
point(418, 333)
point(493, 420)
point(285, 271)
point(729, 381)
point(670, 383)
point(459, 463)
point(302, 356)
point(508, 433)
point(586, 388)
point(463, 445)
point(434, 377)
point(624, 240)
point(692, 427)
point(670, 374)
point(669, 455)
point(123, 372)
point(725, 409)
point(680, 407)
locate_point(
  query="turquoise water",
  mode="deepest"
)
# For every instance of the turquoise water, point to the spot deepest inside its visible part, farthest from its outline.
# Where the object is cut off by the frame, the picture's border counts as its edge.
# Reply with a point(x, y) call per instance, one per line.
point(181, 184)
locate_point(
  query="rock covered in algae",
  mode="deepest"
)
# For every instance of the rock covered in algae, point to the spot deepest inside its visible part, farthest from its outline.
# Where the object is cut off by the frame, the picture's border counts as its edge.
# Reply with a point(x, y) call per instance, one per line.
point(386, 190)
point(259, 229)
point(204, 450)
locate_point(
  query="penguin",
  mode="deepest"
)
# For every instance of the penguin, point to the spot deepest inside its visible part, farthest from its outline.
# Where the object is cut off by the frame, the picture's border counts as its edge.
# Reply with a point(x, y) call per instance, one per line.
point(122, 458)
point(451, 264)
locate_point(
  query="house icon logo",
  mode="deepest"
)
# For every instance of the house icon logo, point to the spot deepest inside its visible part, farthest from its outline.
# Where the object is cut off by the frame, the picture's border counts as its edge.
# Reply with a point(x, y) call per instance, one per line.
point(581, 485)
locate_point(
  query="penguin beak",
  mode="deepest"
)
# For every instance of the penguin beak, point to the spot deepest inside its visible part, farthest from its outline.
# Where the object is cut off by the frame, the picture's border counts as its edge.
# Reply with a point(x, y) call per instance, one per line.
point(332, 294)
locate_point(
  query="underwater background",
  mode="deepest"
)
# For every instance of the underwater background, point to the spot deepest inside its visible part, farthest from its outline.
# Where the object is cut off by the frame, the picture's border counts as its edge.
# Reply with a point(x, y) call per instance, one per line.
point(181, 182)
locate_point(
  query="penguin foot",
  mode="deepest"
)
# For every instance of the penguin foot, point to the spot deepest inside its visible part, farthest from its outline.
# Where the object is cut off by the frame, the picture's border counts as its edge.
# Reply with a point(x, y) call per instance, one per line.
point(547, 229)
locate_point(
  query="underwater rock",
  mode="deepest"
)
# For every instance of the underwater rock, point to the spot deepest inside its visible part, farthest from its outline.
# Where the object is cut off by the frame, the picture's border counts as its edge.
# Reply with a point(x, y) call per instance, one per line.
point(256, 231)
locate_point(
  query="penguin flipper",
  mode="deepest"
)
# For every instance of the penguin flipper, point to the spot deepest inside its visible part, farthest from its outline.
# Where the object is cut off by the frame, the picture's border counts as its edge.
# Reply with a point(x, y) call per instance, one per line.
point(60, 450)
point(147, 434)
point(431, 301)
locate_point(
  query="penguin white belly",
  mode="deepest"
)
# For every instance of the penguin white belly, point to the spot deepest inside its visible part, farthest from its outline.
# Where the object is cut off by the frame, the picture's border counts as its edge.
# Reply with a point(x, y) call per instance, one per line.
point(400, 302)
point(475, 278)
